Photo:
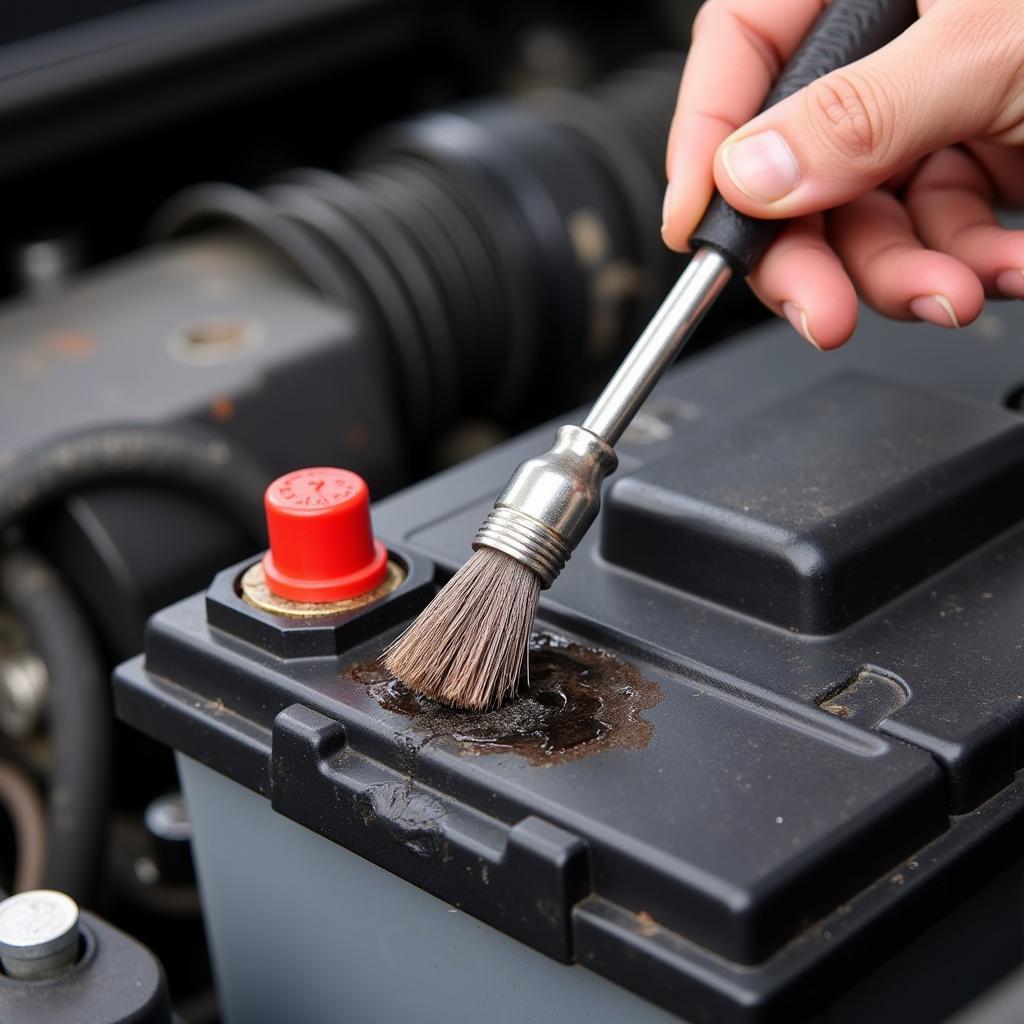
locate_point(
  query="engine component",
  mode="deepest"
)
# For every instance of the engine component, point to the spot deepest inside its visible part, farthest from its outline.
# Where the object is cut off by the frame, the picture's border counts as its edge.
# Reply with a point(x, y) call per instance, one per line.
point(23, 682)
point(168, 824)
point(479, 237)
point(221, 348)
point(39, 935)
point(63, 965)
point(78, 712)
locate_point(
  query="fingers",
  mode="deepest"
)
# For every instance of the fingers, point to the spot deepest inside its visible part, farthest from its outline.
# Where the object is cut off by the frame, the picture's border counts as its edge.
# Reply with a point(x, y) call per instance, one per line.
point(954, 75)
point(950, 202)
point(874, 237)
point(738, 49)
point(802, 279)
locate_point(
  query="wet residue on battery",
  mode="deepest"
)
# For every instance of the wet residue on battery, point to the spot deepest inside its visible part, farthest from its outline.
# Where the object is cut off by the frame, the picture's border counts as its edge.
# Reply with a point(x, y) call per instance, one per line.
point(578, 701)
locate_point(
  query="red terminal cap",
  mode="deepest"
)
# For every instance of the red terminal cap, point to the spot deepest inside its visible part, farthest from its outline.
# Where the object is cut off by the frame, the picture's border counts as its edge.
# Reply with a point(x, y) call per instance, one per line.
point(321, 541)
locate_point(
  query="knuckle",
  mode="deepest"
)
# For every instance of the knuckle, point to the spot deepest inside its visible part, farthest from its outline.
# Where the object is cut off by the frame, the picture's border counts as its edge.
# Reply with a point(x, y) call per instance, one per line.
point(851, 116)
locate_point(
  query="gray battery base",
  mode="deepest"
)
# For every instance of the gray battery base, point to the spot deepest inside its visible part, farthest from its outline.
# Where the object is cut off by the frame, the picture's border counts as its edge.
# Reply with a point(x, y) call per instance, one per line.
point(303, 930)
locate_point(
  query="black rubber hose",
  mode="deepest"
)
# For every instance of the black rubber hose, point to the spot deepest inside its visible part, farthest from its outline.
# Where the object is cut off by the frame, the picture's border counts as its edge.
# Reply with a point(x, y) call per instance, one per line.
point(188, 458)
point(79, 717)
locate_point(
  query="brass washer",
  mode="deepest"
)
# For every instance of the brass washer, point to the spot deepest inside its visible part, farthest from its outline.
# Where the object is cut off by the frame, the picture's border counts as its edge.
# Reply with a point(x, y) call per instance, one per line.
point(256, 592)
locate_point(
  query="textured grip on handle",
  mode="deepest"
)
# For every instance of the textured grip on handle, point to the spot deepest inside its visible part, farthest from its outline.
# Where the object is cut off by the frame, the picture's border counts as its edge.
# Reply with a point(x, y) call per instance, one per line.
point(846, 31)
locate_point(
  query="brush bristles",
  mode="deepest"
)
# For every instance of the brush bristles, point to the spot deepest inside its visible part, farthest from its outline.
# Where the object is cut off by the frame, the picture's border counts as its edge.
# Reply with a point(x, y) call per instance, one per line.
point(468, 645)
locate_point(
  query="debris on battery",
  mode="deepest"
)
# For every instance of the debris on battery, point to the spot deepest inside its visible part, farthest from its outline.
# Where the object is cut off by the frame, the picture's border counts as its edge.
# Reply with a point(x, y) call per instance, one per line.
point(577, 701)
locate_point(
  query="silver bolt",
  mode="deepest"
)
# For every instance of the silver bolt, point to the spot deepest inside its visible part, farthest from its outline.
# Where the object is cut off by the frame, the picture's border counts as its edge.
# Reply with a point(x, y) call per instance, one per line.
point(23, 693)
point(167, 818)
point(38, 933)
point(146, 870)
point(171, 862)
point(43, 267)
point(215, 340)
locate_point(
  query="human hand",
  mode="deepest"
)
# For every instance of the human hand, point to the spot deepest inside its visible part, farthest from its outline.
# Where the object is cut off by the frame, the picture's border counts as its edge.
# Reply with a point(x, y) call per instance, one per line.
point(907, 150)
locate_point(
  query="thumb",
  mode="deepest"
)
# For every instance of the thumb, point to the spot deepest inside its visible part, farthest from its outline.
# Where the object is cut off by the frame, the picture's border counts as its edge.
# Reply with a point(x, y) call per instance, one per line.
point(956, 74)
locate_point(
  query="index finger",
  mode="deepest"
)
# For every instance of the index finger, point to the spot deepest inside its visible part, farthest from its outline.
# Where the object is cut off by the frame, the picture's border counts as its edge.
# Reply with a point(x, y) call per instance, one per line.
point(739, 49)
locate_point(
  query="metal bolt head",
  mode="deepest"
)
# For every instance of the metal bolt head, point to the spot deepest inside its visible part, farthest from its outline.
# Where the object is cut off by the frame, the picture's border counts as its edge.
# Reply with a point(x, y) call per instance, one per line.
point(167, 818)
point(38, 933)
point(23, 693)
point(24, 683)
point(171, 862)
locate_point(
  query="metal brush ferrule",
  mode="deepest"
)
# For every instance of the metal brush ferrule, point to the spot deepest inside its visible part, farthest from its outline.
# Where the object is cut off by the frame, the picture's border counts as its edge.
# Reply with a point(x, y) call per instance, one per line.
point(549, 503)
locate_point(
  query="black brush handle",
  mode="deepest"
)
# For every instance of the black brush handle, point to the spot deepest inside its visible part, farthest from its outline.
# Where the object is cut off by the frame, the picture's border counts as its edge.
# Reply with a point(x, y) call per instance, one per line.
point(846, 31)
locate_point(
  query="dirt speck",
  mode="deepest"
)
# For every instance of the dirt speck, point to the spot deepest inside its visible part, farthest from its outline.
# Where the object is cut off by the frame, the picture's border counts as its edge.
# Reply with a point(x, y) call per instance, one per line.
point(645, 924)
point(577, 702)
point(356, 436)
point(71, 344)
point(222, 408)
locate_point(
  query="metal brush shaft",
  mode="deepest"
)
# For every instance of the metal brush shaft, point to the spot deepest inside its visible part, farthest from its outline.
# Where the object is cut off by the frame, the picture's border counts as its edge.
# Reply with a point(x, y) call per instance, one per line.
point(551, 500)
point(662, 340)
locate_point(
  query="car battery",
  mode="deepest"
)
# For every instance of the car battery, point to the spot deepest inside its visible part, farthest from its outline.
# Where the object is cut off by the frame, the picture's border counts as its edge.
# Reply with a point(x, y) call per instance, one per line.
point(765, 764)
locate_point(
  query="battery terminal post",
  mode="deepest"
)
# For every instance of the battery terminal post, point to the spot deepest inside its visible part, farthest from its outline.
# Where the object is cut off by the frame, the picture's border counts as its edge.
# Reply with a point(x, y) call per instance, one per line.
point(323, 557)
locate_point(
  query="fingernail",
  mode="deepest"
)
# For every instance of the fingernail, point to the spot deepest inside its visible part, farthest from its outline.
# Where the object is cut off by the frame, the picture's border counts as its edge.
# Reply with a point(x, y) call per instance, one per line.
point(762, 166)
point(935, 309)
point(1011, 283)
point(797, 316)
point(666, 207)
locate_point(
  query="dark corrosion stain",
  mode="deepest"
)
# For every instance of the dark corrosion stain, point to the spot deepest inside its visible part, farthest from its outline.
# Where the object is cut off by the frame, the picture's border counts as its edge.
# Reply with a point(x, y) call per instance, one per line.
point(577, 702)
